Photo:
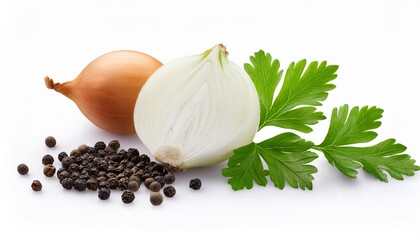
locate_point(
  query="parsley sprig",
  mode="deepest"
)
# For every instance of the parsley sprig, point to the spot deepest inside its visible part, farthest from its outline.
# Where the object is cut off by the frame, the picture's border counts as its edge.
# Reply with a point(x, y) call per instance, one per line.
point(287, 156)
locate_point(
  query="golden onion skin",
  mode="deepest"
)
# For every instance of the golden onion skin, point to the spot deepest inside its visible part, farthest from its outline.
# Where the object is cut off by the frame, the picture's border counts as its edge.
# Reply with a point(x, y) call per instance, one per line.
point(107, 88)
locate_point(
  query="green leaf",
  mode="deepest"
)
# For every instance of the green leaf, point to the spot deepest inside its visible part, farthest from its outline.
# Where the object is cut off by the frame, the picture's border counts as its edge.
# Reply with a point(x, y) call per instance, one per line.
point(355, 127)
point(302, 90)
point(352, 128)
point(287, 157)
point(244, 167)
point(266, 75)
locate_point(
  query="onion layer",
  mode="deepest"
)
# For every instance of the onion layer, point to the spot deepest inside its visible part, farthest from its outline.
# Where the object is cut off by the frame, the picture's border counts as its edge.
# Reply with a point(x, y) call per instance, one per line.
point(196, 110)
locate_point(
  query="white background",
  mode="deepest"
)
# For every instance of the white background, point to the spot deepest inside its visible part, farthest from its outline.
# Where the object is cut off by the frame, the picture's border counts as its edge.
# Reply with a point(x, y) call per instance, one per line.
point(376, 44)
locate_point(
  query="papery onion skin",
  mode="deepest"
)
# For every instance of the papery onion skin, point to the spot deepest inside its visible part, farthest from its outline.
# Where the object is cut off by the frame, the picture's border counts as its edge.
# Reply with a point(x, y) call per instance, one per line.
point(194, 111)
point(107, 88)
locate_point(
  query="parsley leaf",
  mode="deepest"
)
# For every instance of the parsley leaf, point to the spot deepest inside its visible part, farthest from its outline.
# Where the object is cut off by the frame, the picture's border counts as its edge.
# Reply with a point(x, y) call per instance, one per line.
point(244, 167)
point(266, 76)
point(302, 90)
point(287, 157)
point(355, 127)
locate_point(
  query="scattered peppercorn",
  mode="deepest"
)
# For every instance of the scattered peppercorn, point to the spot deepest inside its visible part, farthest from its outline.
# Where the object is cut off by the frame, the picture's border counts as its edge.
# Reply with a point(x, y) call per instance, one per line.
point(36, 186)
point(66, 162)
point(62, 175)
point(67, 183)
point(75, 152)
point(169, 178)
point(104, 193)
point(105, 167)
point(114, 144)
point(22, 169)
point(128, 197)
point(79, 184)
point(169, 191)
point(133, 186)
point(156, 198)
point(49, 170)
point(92, 184)
point(61, 156)
point(195, 184)
point(148, 181)
point(83, 149)
point(50, 141)
point(47, 159)
point(155, 186)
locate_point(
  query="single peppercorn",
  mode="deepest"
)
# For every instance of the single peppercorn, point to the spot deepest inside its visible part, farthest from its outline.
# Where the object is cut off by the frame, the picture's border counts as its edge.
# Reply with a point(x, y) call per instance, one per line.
point(49, 170)
point(114, 144)
point(104, 193)
point(83, 149)
point(133, 186)
point(169, 191)
point(195, 184)
point(47, 159)
point(22, 169)
point(74, 167)
point(75, 153)
point(99, 146)
point(66, 162)
point(148, 181)
point(92, 184)
point(128, 197)
point(144, 158)
point(79, 184)
point(156, 198)
point(104, 184)
point(36, 186)
point(169, 178)
point(62, 175)
point(67, 183)
point(62, 155)
point(50, 141)
point(134, 178)
point(155, 186)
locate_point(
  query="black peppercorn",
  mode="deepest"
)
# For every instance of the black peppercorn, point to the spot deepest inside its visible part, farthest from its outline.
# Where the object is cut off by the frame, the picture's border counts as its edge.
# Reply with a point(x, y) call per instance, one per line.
point(49, 170)
point(75, 153)
point(155, 186)
point(148, 181)
point(79, 184)
point(144, 158)
point(113, 183)
point(104, 184)
point(67, 183)
point(133, 186)
point(195, 184)
point(62, 155)
point(47, 159)
point(36, 186)
point(104, 193)
point(22, 169)
point(156, 198)
point(114, 144)
point(74, 175)
point(92, 184)
point(169, 191)
point(66, 162)
point(62, 175)
point(74, 167)
point(83, 149)
point(99, 146)
point(50, 141)
point(169, 178)
point(128, 197)
point(134, 178)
